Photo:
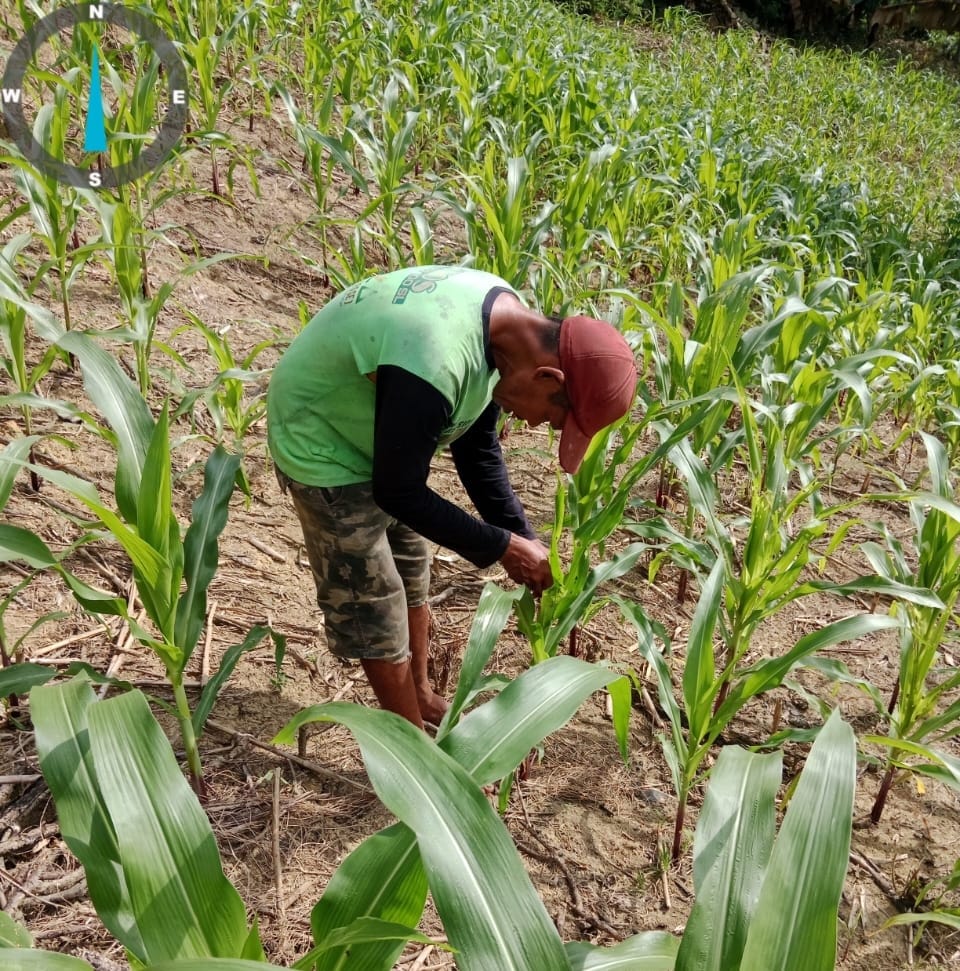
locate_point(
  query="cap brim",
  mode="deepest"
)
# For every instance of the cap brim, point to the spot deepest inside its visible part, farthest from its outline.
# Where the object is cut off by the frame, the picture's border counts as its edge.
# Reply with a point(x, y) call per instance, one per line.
point(573, 445)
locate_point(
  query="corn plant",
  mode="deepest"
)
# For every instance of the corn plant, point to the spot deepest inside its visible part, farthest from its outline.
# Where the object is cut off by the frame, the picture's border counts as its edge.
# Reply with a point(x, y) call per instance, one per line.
point(740, 592)
point(56, 211)
point(17, 311)
point(491, 914)
point(146, 528)
point(257, 42)
point(122, 236)
point(119, 793)
point(929, 906)
point(206, 31)
point(236, 398)
point(505, 225)
point(124, 244)
point(386, 141)
point(920, 710)
point(572, 599)
point(591, 507)
point(225, 397)
point(323, 153)
point(21, 545)
point(114, 778)
point(743, 872)
point(750, 909)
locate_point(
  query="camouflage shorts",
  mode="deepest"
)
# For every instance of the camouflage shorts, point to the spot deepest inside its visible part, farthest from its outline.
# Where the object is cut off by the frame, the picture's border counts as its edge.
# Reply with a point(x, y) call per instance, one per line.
point(368, 569)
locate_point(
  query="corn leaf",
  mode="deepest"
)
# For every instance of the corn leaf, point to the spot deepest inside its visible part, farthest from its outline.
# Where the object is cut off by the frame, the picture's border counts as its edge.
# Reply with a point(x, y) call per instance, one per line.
point(496, 737)
point(770, 672)
point(125, 410)
point(158, 527)
point(13, 934)
point(651, 951)
point(946, 917)
point(228, 662)
point(493, 917)
point(11, 459)
point(493, 610)
point(621, 695)
point(60, 714)
point(732, 845)
point(185, 904)
point(213, 964)
point(383, 877)
point(17, 543)
point(21, 959)
point(144, 557)
point(941, 766)
point(18, 679)
point(200, 548)
point(876, 585)
point(699, 683)
point(794, 927)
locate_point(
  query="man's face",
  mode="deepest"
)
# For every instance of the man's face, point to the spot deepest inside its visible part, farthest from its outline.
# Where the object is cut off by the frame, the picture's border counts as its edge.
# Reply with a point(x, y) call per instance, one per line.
point(538, 397)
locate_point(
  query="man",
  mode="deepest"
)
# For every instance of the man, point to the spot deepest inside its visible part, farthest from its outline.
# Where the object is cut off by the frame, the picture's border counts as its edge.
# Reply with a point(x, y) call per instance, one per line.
point(387, 372)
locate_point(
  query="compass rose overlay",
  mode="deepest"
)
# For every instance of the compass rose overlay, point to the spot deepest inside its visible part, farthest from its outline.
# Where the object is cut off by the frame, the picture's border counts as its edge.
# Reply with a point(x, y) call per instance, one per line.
point(24, 55)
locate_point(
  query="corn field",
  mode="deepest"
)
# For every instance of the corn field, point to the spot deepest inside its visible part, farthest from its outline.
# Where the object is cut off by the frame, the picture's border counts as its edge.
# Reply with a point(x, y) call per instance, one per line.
point(772, 534)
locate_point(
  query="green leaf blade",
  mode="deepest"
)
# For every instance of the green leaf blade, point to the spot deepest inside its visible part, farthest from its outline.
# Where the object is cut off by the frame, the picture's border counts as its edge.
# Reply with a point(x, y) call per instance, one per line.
point(493, 917)
point(384, 878)
point(795, 924)
point(60, 717)
point(732, 845)
point(495, 738)
point(200, 547)
point(169, 854)
point(651, 951)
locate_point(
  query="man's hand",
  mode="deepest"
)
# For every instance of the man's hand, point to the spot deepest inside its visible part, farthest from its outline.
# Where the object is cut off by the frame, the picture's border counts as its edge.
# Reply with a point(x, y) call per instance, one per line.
point(528, 561)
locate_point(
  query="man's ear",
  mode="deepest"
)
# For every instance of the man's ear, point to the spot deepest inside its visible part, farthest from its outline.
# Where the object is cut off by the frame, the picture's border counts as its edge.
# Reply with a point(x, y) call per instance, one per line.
point(550, 372)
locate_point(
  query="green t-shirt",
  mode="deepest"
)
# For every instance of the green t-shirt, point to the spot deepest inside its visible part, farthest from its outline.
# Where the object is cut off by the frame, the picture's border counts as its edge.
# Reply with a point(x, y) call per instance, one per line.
point(320, 403)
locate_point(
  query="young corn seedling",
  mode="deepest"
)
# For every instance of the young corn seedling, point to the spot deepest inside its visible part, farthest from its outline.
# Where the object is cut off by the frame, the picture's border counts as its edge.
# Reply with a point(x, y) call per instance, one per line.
point(502, 235)
point(591, 506)
point(234, 409)
point(931, 905)
point(205, 31)
point(323, 154)
point(920, 711)
point(387, 145)
point(124, 244)
point(18, 315)
point(56, 211)
point(742, 591)
point(257, 43)
point(145, 526)
point(213, 87)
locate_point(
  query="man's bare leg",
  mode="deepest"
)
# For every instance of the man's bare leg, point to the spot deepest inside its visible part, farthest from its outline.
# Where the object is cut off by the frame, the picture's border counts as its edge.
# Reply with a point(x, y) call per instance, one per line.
point(393, 685)
point(432, 706)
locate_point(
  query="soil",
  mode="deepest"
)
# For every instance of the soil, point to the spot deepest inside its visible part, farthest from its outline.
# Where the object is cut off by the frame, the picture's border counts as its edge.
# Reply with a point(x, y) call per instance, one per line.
point(590, 828)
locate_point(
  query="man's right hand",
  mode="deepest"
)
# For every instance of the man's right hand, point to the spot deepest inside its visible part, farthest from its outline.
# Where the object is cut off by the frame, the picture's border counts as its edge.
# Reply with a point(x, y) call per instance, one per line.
point(528, 561)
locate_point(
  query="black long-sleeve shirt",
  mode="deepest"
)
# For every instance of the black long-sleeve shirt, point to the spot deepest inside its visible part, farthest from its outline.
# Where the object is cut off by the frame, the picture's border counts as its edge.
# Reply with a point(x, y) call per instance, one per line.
point(410, 416)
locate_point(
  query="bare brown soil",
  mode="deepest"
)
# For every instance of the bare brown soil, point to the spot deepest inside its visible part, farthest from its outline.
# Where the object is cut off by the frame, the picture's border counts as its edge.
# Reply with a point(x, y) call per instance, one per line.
point(591, 830)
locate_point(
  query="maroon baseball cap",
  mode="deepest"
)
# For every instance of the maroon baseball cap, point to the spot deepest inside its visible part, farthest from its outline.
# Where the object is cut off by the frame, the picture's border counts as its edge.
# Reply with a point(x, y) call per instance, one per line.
point(600, 379)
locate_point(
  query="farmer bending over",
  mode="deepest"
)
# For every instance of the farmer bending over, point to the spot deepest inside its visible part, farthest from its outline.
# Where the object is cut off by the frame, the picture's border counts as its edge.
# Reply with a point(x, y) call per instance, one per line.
point(387, 372)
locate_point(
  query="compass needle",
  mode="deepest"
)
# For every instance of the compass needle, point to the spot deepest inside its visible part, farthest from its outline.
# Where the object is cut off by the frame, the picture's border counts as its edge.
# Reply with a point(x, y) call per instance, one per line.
point(95, 132)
